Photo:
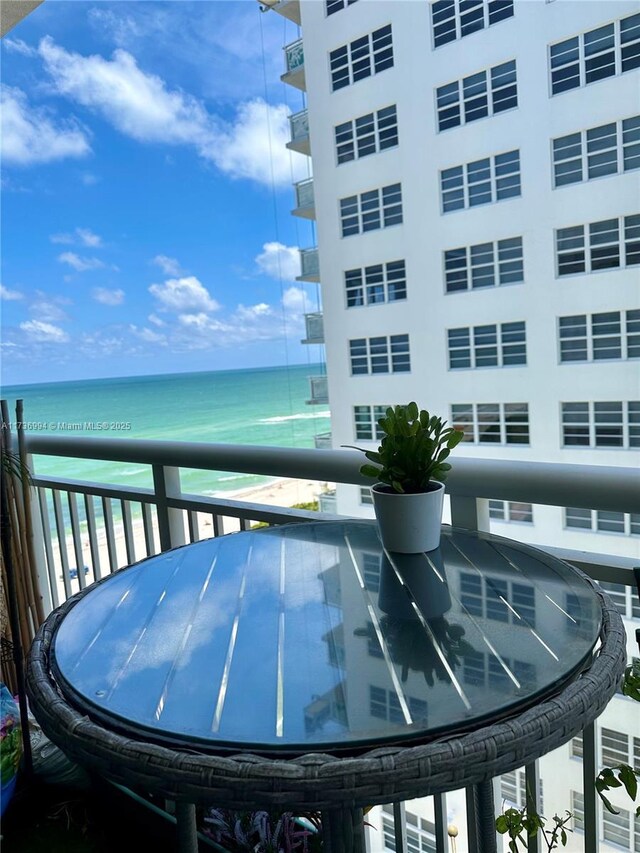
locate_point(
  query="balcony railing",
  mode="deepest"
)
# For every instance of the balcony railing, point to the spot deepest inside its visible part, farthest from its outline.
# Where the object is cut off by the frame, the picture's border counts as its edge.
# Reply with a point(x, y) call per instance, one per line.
point(294, 58)
point(299, 127)
point(322, 441)
point(327, 501)
point(315, 328)
point(289, 9)
point(305, 200)
point(319, 391)
point(70, 515)
point(309, 265)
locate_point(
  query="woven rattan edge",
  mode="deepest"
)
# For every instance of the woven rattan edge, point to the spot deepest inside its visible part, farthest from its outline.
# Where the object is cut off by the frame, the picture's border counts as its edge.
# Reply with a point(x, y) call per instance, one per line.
point(319, 781)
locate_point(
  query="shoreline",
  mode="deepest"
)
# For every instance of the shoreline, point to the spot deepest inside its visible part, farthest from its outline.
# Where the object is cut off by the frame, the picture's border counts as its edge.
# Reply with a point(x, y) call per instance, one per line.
point(280, 492)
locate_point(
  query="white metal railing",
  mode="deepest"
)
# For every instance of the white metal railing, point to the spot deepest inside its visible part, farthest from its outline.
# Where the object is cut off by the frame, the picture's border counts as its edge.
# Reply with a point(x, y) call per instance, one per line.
point(309, 264)
point(319, 390)
point(314, 324)
point(294, 54)
point(299, 125)
point(167, 517)
point(304, 193)
point(322, 441)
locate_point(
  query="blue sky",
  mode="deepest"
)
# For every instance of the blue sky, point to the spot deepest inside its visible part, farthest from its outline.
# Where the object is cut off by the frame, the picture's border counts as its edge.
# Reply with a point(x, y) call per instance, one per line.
point(147, 192)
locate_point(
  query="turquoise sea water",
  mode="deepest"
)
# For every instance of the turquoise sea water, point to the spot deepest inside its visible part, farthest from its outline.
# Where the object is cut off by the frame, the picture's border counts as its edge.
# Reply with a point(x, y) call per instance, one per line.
point(264, 406)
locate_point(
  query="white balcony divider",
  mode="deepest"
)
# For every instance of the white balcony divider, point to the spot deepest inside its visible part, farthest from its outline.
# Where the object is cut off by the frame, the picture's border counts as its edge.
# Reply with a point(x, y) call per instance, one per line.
point(172, 518)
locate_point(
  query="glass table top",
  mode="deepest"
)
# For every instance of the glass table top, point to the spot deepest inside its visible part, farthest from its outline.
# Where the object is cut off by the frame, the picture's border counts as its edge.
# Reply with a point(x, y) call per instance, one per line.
point(309, 637)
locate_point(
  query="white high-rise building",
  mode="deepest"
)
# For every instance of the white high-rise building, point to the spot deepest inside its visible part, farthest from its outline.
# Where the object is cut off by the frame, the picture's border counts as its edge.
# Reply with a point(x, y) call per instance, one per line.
point(477, 205)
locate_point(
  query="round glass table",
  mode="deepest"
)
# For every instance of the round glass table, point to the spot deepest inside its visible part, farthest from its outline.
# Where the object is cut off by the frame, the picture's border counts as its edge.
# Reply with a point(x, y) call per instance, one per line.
point(278, 645)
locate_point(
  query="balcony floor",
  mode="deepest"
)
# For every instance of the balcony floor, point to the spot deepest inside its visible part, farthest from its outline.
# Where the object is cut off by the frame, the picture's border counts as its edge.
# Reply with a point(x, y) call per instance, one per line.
point(58, 819)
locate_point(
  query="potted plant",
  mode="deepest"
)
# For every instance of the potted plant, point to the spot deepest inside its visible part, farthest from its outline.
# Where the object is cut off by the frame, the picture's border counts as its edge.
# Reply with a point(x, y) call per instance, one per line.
point(409, 467)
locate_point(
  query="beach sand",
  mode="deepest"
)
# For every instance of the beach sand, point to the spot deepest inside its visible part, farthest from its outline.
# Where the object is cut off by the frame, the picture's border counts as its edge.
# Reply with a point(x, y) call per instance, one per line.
point(280, 493)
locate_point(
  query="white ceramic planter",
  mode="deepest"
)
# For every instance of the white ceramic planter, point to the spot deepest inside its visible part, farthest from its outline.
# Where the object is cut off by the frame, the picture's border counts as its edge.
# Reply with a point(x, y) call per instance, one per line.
point(409, 523)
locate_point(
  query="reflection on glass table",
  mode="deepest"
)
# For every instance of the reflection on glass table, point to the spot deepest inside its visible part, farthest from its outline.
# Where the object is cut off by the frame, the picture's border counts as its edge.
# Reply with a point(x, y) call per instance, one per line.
point(309, 636)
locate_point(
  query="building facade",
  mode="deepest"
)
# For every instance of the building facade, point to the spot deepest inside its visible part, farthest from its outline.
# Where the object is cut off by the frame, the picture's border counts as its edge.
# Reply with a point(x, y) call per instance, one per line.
point(477, 205)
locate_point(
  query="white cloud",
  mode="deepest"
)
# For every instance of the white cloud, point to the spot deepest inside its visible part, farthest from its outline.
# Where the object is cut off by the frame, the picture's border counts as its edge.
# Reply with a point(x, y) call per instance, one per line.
point(48, 310)
point(80, 264)
point(19, 46)
point(254, 146)
point(169, 266)
point(148, 335)
point(253, 312)
point(108, 297)
point(9, 295)
point(30, 136)
point(81, 236)
point(296, 301)
point(140, 105)
point(137, 104)
point(157, 321)
point(88, 238)
point(279, 261)
point(184, 294)
point(40, 331)
point(88, 179)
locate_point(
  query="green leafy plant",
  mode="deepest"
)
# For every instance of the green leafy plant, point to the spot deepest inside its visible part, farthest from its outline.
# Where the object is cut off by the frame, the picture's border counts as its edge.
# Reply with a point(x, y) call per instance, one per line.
point(622, 775)
point(413, 449)
point(520, 824)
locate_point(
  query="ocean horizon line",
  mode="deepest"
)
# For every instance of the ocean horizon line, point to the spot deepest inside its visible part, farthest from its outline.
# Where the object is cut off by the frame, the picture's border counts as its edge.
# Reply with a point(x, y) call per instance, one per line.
point(157, 376)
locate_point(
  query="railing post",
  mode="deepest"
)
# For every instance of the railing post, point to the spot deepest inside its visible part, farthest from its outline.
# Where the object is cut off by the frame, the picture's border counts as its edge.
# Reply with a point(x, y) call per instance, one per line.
point(442, 834)
point(469, 512)
point(39, 557)
point(589, 773)
point(400, 826)
point(532, 792)
point(166, 483)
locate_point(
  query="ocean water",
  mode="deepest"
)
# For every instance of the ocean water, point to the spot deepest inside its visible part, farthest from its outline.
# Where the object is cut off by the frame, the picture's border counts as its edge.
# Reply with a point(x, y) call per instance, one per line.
point(265, 406)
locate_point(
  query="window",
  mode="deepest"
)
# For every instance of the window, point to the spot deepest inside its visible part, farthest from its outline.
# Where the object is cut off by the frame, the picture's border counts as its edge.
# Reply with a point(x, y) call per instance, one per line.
point(361, 58)
point(597, 337)
point(481, 182)
point(616, 828)
point(420, 832)
point(371, 571)
point(386, 706)
point(604, 522)
point(479, 95)
point(376, 284)
point(367, 134)
point(484, 265)
point(576, 746)
point(492, 423)
point(601, 424)
point(597, 152)
point(577, 809)
point(615, 747)
point(608, 244)
point(513, 789)
point(366, 422)
point(371, 210)
point(454, 19)
point(511, 511)
point(380, 355)
point(487, 346)
point(365, 496)
point(333, 6)
point(604, 52)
